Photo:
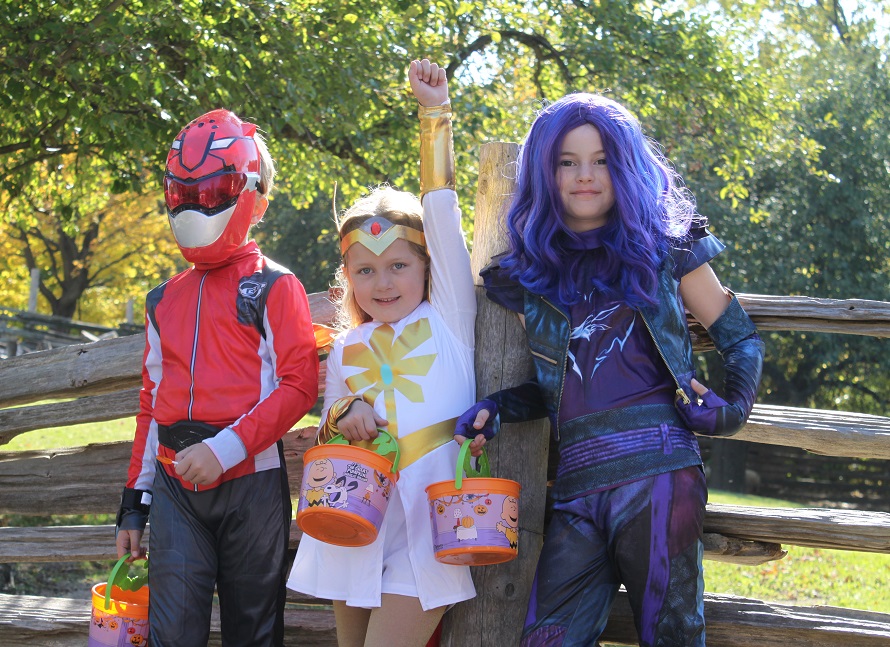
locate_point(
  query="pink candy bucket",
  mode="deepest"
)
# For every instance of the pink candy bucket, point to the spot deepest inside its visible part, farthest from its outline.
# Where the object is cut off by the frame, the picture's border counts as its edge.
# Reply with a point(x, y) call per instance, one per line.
point(346, 489)
point(475, 521)
point(120, 609)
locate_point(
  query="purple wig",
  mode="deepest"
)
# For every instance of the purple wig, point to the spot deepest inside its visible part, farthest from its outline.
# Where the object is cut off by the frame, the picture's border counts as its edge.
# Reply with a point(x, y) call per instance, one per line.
point(652, 207)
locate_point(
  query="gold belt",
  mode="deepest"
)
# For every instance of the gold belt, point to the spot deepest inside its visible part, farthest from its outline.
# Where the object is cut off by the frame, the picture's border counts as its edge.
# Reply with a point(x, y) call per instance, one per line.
point(419, 443)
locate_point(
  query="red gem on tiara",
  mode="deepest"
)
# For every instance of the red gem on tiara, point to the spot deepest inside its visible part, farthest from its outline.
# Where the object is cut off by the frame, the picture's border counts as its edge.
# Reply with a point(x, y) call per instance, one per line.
point(375, 228)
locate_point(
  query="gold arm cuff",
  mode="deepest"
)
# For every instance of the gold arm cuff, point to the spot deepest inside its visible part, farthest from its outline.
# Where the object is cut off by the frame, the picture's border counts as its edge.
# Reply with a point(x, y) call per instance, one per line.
point(436, 149)
point(329, 428)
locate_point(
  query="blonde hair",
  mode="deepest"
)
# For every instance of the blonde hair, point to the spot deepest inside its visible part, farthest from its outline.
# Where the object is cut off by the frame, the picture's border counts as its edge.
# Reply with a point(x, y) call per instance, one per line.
point(400, 208)
point(267, 166)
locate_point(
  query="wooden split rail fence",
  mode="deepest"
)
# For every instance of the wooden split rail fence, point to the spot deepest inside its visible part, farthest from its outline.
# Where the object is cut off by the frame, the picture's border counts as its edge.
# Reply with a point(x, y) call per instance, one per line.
point(104, 378)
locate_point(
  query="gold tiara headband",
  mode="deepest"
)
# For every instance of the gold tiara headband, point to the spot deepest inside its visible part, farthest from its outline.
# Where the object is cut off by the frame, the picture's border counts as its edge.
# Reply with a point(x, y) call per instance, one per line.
point(377, 233)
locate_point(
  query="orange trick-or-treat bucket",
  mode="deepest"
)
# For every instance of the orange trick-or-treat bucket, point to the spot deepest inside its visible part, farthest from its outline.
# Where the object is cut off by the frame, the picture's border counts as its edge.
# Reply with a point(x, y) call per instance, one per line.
point(475, 521)
point(346, 489)
point(120, 609)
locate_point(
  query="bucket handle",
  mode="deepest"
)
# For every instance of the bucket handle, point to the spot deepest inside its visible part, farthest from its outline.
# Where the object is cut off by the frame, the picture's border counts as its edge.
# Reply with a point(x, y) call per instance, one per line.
point(384, 445)
point(120, 578)
point(465, 464)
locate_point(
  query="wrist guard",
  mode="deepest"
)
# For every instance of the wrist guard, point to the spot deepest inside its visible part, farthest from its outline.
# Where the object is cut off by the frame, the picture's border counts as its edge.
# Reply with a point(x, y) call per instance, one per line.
point(338, 410)
point(134, 509)
point(738, 343)
point(436, 149)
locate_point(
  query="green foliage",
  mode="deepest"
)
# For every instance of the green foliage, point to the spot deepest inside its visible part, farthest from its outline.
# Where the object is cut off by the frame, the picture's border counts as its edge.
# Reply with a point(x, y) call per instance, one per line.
point(327, 81)
point(97, 91)
point(84, 239)
point(303, 240)
point(773, 110)
point(813, 220)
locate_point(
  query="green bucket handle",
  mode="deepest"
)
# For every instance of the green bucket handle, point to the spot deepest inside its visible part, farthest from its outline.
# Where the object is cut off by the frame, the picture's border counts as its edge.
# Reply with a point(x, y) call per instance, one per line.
point(465, 464)
point(384, 445)
point(121, 578)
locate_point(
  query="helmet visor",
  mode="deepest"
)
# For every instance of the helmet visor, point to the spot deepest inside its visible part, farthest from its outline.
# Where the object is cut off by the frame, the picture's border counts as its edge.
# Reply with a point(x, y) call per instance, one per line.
point(209, 194)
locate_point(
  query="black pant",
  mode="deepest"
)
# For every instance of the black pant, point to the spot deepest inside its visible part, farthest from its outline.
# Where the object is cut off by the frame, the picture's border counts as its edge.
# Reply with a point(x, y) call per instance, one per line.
point(233, 537)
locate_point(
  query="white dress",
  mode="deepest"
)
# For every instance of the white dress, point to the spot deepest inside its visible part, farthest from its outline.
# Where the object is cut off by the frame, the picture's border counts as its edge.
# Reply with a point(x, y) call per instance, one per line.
point(427, 378)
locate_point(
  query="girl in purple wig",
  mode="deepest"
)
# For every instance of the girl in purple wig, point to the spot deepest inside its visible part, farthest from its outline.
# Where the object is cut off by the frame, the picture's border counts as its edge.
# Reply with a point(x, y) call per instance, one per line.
point(606, 253)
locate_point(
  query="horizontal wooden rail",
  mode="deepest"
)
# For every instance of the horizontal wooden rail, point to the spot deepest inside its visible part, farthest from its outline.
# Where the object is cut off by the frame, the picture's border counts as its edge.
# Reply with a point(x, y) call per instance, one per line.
point(859, 530)
point(95, 408)
point(115, 364)
point(808, 314)
point(87, 480)
point(27, 620)
point(830, 433)
point(730, 622)
point(96, 543)
point(92, 369)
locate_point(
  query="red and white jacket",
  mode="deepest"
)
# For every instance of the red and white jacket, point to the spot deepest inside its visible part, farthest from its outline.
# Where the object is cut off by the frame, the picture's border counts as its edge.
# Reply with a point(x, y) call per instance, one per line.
point(230, 345)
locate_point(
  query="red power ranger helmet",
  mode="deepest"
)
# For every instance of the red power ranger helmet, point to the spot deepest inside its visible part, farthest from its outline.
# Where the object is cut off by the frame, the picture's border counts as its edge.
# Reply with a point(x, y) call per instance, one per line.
point(210, 186)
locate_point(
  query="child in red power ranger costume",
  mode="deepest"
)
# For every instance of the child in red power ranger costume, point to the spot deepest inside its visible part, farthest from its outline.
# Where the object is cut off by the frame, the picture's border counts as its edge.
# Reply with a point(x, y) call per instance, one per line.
point(230, 365)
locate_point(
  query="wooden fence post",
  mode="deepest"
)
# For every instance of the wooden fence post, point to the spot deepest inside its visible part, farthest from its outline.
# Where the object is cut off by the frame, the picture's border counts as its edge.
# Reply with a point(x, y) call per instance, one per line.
point(496, 615)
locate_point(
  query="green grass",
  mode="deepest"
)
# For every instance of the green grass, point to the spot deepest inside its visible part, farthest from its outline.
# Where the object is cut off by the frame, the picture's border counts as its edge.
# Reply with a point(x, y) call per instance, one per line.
point(806, 576)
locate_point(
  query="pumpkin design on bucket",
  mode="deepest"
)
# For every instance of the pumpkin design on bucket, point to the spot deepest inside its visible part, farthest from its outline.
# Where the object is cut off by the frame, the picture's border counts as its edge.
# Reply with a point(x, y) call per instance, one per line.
point(464, 531)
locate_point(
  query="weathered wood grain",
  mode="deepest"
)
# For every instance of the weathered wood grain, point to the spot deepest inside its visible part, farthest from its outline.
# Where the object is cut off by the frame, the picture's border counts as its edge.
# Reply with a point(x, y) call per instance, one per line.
point(89, 480)
point(95, 368)
point(720, 548)
point(816, 527)
point(830, 433)
point(732, 621)
point(115, 364)
point(26, 621)
point(807, 314)
point(97, 408)
point(96, 543)
point(82, 369)
point(59, 544)
point(77, 480)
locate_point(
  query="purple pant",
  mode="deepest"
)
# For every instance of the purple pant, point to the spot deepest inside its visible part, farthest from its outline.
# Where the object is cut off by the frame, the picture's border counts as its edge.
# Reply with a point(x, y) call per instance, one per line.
point(645, 535)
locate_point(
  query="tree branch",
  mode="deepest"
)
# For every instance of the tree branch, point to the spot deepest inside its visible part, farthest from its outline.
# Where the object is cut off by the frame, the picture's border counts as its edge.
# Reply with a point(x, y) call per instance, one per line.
point(341, 148)
point(543, 49)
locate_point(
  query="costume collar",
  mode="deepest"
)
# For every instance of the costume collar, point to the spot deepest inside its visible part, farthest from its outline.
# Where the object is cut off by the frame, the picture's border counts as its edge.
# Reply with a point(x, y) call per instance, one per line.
point(245, 250)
